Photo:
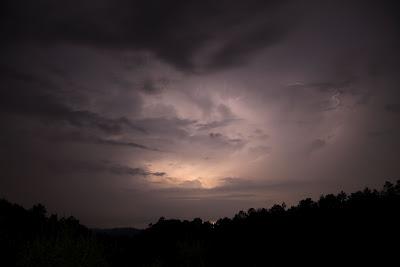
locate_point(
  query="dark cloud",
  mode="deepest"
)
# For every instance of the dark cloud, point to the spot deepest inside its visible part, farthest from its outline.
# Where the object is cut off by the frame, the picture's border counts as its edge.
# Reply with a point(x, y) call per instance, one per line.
point(28, 95)
point(316, 145)
point(238, 50)
point(98, 140)
point(158, 173)
point(122, 143)
point(148, 85)
point(150, 102)
point(395, 108)
point(176, 31)
point(164, 126)
point(342, 85)
point(93, 167)
point(215, 124)
point(215, 135)
point(219, 140)
point(153, 87)
point(382, 133)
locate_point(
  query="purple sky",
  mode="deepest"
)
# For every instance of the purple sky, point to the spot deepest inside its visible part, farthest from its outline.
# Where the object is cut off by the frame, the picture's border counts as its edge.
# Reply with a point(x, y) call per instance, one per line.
point(119, 112)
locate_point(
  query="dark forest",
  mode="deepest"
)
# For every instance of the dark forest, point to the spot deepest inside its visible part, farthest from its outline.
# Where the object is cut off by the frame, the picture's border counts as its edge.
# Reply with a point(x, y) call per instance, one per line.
point(362, 227)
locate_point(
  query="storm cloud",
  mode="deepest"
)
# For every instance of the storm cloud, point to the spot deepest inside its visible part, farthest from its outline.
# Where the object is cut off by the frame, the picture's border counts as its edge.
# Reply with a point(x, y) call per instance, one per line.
point(176, 31)
point(119, 112)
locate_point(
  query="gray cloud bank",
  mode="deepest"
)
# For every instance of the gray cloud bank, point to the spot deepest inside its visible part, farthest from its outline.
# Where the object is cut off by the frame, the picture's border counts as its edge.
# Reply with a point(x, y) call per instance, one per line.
point(119, 112)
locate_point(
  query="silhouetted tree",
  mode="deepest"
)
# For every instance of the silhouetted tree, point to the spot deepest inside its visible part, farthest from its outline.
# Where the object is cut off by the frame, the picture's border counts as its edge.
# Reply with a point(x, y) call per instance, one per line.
point(363, 225)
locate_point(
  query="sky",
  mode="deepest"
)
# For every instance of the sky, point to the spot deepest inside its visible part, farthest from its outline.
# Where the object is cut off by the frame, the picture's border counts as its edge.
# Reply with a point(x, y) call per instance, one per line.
point(120, 112)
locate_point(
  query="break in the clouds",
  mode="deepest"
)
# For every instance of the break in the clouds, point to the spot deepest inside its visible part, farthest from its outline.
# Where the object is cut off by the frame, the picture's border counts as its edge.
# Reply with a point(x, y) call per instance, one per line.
point(120, 112)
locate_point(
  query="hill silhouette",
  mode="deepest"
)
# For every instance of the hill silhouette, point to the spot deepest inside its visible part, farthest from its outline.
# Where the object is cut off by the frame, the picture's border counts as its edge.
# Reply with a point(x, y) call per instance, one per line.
point(338, 229)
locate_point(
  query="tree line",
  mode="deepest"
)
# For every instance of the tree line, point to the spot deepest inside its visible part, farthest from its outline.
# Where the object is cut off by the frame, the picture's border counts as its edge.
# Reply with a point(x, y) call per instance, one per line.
point(360, 227)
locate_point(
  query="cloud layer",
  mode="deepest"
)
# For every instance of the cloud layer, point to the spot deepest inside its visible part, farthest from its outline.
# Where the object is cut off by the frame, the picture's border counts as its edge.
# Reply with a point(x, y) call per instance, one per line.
point(120, 112)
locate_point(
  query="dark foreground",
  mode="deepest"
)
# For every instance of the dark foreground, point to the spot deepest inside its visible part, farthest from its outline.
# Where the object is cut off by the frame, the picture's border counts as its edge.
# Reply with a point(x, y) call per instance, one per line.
point(359, 228)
